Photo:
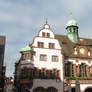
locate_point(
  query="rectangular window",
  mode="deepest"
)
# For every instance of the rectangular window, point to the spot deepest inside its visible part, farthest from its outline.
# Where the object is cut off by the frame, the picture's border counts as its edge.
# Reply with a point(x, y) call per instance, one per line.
point(27, 55)
point(51, 45)
point(72, 70)
point(67, 69)
point(54, 58)
point(83, 71)
point(57, 74)
point(40, 44)
point(48, 34)
point(43, 34)
point(43, 57)
point(23, 56)
point(80, 69)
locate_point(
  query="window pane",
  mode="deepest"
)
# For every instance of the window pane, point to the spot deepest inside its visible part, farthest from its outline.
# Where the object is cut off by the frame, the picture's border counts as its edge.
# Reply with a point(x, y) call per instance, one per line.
point(48, 34)
point(55, 58)
point(42, 57)
point(43, 34)
point(67, 69)
point(51, 45)
point(40, 44)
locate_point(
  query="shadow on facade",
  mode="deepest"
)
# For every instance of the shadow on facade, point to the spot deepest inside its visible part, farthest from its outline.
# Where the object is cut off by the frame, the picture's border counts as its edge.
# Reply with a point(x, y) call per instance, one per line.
point(25, 76)
point(73, 89)
point(41, 89)
point(88, 90)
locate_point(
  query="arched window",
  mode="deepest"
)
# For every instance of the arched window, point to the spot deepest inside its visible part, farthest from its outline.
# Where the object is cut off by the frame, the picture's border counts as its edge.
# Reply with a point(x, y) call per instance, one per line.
point(39, 89)
point(51, 89)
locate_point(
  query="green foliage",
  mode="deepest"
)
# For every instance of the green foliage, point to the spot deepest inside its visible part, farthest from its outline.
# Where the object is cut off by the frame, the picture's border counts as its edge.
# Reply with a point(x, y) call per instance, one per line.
point(78, 74)
point(70, 78)
point(90, 74)
point(80, 78)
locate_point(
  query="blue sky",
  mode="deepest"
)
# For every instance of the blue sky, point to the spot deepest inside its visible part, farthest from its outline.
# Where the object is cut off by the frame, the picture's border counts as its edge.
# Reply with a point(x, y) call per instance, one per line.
point(20, 20)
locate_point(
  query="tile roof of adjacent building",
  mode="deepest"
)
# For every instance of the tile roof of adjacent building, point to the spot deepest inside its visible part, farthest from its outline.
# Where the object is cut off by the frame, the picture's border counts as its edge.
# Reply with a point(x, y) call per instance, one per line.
point(68, 46)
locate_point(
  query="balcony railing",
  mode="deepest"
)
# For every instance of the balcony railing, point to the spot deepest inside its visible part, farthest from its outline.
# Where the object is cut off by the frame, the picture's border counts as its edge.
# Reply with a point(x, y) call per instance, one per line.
point(39, 74)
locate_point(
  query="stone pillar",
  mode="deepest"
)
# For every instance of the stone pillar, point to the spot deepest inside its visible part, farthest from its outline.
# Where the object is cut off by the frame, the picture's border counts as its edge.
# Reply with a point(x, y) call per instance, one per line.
point(78, 70)
point(87, 71)
point(74, 67)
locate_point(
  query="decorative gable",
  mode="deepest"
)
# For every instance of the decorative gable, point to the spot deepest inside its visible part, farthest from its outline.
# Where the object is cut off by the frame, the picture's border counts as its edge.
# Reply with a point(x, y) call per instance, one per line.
point(46, 32)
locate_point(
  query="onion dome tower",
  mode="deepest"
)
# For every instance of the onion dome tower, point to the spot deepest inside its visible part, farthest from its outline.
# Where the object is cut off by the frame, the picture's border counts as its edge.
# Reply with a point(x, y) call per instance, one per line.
point(72, 30)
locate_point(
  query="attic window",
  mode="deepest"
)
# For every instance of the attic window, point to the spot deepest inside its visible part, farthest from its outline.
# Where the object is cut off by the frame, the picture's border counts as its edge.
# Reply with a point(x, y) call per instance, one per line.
point(48, 34)
point(64, 43)
point(45, 34)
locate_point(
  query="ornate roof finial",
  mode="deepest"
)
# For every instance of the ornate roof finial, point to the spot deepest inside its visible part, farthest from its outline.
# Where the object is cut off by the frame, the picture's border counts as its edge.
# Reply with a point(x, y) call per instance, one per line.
point(46, 26)
point(46, 21)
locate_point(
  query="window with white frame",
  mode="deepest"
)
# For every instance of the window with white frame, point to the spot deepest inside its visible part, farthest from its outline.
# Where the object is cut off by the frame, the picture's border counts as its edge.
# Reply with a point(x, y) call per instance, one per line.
point(54, 58)
point(51, 45)
point(43, 57)
point(48, 34)
point(45, 34)
point(40, 44)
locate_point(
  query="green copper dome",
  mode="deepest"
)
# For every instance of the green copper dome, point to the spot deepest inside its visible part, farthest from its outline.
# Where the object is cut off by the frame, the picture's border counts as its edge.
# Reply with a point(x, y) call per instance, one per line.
point(71, 22)
point(27, 48)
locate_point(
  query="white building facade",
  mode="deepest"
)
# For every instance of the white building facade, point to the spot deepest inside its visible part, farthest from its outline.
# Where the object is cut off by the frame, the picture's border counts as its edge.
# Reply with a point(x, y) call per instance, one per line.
point(52, 61)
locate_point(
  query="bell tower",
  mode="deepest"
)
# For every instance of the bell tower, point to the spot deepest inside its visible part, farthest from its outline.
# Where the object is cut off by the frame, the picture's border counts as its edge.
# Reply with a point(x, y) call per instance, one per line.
point(72, 30)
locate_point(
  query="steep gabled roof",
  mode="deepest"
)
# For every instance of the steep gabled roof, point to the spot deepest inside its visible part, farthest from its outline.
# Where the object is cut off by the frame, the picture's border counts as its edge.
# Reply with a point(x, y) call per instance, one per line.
point(68, 46)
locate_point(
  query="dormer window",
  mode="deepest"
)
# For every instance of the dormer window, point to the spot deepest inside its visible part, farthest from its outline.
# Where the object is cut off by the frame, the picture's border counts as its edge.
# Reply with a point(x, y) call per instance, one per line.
point(45, 34)
point(40, 44)
point(48, 34)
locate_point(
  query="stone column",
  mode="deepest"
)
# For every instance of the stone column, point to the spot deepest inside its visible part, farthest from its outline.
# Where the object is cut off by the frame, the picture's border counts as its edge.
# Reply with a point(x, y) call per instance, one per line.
point(74, 67)
point(78, 70)
point(87, 68)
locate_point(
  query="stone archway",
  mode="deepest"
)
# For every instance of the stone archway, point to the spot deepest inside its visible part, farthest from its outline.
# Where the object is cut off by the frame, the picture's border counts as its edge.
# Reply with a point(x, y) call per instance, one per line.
point(51, 89)
point(39, 89)
point(88, 90)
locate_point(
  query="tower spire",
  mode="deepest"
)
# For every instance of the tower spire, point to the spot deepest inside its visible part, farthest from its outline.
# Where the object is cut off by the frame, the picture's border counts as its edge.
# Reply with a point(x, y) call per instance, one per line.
point(46, 21)
point(71, 15)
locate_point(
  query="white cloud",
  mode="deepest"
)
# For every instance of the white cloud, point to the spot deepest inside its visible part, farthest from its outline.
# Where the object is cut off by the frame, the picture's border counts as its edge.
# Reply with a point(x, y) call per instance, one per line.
point(20, 21)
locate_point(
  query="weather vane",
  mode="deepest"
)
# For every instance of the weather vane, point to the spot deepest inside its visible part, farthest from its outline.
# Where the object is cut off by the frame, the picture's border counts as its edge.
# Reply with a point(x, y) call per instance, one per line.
point(46, 21)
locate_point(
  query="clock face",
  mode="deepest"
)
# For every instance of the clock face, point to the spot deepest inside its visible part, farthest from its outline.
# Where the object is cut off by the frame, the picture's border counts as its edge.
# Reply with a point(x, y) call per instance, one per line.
point(82, 51)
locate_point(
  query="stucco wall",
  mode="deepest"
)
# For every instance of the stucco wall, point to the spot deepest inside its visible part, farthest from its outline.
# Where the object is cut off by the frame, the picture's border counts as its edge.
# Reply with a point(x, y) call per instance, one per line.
point(47, 83)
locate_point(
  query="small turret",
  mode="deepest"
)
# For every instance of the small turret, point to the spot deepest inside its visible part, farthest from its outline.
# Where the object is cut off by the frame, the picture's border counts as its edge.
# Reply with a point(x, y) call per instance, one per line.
point(72, 30)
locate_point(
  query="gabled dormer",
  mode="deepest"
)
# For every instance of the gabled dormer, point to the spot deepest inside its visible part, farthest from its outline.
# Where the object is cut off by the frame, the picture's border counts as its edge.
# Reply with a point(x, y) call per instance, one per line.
point(46, 31)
